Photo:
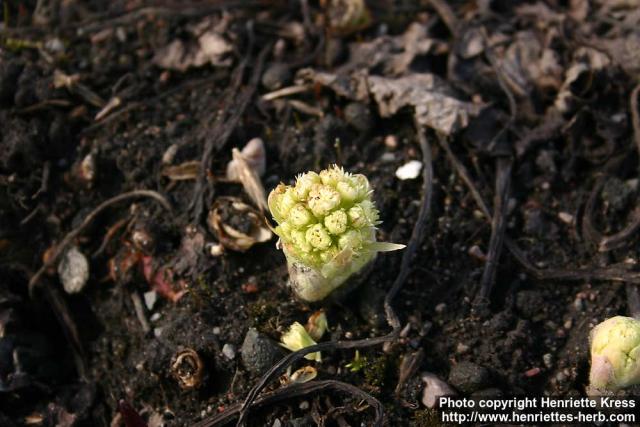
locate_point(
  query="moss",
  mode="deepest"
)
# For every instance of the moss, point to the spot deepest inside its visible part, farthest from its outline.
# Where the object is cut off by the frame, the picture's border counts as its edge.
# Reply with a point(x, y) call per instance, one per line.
point(378, 372)
point(262, 314)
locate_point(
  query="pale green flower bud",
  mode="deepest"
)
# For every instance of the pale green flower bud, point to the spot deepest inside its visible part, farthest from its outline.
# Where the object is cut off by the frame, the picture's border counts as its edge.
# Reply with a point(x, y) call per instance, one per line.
point(326, 224)
point(300, 216)
point(323, 199)
point(318, 237)
point(304, 184)
point(615, 354)
point(297, 338)
point(336, 222)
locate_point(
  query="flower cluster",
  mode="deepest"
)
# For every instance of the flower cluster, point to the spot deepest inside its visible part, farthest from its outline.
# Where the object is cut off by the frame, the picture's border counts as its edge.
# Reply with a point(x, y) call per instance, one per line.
point(615, 354)
point(326, 224)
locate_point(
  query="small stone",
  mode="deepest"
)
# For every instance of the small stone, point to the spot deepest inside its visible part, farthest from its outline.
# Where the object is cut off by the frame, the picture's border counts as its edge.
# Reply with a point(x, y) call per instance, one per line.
point(155, 317)
point(157, 332)
point(216, 330)
point(391, 141)
point(276, 76)
point(259, 352)
point(73, 270)
point(434, 388)
point(476, 252)
point(440, 308)
point(565, 217)
point(469, 377)
point(304, 405)
point(568, 324)
point(532, 372)
point(410, 170)
point(578, 304)
point(150, 299)
point(277, 423)
point(229, 351)
point(462, 348)
point(388, 157)
point(547, 359)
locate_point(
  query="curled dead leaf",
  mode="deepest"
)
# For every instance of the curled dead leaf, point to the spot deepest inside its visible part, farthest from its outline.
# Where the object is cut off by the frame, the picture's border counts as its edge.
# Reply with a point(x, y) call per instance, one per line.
point(303, 375)
point(187, 368)
point(237, 225)
point(255, 156)
point(248, 177)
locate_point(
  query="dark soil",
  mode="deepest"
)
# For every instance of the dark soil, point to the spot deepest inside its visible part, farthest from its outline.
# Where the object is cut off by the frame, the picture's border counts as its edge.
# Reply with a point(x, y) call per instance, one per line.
point(58, 162)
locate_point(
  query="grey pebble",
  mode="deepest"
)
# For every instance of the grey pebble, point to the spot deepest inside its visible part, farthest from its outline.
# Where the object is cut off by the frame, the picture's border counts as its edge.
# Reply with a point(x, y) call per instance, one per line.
point(469, 377)
point(259, 352)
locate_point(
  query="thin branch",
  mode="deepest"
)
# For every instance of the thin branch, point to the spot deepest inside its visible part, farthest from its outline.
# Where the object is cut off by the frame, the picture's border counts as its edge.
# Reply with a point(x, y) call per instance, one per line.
point(498, 227)
point(60, 248)
point(293, 391)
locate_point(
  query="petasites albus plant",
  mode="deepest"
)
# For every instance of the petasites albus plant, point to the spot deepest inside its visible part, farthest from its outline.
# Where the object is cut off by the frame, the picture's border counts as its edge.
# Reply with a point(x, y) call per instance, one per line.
point(327, 228)
point(615, 354)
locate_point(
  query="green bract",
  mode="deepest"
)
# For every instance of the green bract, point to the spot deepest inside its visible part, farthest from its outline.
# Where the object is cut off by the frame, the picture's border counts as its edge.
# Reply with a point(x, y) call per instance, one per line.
point(326, 224)
point(615, 354)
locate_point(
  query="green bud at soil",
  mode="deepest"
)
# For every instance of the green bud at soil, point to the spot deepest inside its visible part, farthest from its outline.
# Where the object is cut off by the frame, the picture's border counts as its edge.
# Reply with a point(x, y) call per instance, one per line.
point(297, 338)
point(615, 354)
point(326, 224)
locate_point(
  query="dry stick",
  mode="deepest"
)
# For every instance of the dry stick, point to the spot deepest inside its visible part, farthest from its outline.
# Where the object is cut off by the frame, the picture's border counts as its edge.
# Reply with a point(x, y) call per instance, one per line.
point(292, 391)
point(503, 182)
point(88, 220)
point(447, 15)
point(392, 318)
point(61, 311)
point(616, 273)
point(498, 228)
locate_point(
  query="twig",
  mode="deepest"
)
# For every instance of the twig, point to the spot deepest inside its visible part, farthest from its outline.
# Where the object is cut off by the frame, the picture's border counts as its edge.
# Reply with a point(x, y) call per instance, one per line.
point(498, 227)
point(285, 91)
point(88, 220)
point(61, 311)
point(292, 391)
point(447, 15)
point(392, 317)
point(614, 273)
point(139, 309)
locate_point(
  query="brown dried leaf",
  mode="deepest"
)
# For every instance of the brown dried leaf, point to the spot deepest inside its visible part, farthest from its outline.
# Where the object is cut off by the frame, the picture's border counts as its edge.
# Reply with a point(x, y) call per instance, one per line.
point(255, 156)
point(208, 46)
point(182, 172)
point(237, 225)
point(248, 177)
point(433, 100)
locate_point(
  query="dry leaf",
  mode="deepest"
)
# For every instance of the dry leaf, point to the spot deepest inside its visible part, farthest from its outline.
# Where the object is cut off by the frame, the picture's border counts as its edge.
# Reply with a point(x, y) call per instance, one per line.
point(249, 180)
point(182, 172)
point(255, 156)
point(208, 46)
point(433, 100)
point(237, 225)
